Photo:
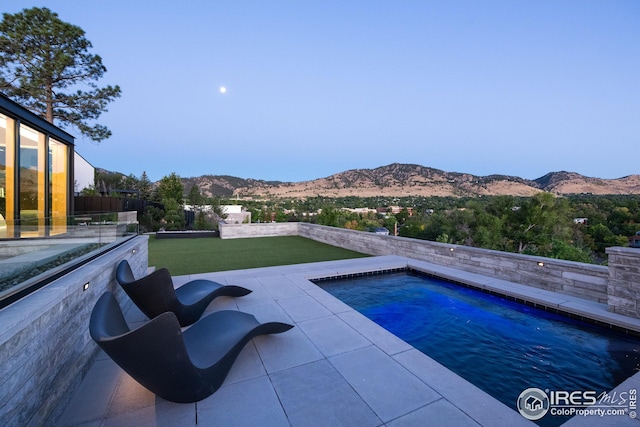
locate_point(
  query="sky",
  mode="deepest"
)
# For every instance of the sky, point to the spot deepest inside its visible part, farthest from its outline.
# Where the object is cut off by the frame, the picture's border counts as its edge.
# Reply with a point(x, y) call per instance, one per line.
point(313, 88)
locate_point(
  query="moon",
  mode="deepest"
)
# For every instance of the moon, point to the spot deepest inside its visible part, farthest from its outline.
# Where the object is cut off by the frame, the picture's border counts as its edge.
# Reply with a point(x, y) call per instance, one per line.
point(223, 89)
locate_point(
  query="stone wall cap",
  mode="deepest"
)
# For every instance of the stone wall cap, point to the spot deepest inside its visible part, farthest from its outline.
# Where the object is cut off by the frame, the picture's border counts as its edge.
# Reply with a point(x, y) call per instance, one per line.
point(623, 251)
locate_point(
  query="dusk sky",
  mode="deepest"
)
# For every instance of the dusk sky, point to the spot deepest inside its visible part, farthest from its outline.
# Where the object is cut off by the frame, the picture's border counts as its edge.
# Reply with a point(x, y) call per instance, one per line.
point(514, 87)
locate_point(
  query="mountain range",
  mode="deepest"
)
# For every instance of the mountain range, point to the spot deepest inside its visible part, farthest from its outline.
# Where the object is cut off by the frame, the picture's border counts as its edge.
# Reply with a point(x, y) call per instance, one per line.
point(398, 180)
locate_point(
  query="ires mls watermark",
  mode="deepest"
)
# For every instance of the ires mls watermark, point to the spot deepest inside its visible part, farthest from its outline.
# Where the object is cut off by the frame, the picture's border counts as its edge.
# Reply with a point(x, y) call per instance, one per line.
point(534, 403)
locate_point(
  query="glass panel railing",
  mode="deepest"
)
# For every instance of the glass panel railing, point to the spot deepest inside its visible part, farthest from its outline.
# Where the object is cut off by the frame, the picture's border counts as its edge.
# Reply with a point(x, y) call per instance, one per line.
point(38, 252)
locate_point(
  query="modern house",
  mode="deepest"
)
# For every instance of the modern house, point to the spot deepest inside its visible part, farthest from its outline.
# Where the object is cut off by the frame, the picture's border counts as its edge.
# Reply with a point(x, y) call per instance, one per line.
point(52, 267)
point(36, 174)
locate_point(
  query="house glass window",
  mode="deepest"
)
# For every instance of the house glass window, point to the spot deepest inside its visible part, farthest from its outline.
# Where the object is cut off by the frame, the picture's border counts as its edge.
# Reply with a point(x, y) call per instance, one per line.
point(7, 187)
point(32, 182)
point(58, 186)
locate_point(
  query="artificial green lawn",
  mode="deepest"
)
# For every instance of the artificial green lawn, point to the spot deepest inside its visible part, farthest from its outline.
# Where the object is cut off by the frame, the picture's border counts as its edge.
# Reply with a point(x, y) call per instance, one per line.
point(203, 255)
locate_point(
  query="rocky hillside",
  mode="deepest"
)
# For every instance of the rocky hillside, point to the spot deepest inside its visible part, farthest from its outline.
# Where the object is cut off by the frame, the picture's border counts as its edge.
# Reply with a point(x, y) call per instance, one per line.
point(413, 180)
point(573, 183)
point(224, 185)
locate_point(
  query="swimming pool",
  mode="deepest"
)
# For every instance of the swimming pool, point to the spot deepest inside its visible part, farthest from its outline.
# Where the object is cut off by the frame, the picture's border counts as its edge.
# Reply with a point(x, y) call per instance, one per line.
point(501, 346)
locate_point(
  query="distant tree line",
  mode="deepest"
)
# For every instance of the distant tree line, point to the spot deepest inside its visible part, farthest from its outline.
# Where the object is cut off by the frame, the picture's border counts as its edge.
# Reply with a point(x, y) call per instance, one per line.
point(169, 194)
point(576, 228)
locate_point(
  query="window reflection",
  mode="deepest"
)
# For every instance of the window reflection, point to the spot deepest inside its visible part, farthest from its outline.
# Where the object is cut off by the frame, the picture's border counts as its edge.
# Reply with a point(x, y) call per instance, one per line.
point(58, 188)
point(32, 185)
point(34, 181)
point(7, 139)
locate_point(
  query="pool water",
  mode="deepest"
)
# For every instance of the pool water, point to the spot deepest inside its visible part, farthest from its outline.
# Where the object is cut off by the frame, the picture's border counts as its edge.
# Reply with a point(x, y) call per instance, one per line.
point(503, 347)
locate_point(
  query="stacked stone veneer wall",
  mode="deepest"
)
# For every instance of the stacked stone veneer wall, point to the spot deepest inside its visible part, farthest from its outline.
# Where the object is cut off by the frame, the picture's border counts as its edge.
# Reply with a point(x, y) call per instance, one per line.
point(267, 229)
point(566, 277)
point(45, 345)
point(624, 281)
point(571, 278)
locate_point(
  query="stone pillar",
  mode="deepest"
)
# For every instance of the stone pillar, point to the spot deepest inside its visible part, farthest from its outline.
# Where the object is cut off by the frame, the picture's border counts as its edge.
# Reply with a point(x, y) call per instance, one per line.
point(623, 288)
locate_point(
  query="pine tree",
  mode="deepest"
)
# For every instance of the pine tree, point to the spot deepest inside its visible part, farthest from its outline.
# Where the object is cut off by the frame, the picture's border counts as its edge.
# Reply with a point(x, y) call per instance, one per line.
point(144, 186)
point(170, 187)
point(46, 66)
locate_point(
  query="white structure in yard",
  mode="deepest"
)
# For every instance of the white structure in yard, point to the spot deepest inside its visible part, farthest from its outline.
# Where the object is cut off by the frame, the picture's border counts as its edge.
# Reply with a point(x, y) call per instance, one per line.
point(83, 173)
point(235, 214)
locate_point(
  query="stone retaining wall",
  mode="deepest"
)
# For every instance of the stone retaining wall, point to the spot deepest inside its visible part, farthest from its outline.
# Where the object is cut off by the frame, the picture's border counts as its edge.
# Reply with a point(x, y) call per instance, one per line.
point(267, 229)
point(624, 281)
point(45, 343)
point(195, 234)
point(566, 277)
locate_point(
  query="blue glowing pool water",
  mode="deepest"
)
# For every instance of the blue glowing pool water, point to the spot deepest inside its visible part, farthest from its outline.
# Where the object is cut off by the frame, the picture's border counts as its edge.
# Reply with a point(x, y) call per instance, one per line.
point(501, 346)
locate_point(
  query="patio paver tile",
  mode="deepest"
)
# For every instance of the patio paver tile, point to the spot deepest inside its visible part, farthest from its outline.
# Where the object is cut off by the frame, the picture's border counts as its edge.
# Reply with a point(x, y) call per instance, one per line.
point(303, 308)
point(483, 408)
point(286, 350)
point(389, 389)
point(247, 366)
point(130, 396)
point(330, 302)
point(301, 282)
point(91, 400)
point(280, 288)
point(333, 336)
point(165, 414)
point(258, 295)
point(244, 404)
point(334, 402)
point(440, 413)
point(375, 333)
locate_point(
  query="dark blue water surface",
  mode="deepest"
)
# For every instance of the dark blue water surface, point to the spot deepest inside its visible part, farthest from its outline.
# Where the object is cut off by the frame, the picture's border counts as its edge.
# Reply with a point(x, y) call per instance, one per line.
point(501, 346)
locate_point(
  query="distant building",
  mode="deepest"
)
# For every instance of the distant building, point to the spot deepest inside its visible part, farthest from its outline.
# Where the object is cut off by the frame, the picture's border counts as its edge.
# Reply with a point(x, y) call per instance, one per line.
point(83, 173)
point(582, 221)
point(360, 210)
point(192, 208)
point(634, 241)
point(235, 214)
point(398, 209)
point(394, 210)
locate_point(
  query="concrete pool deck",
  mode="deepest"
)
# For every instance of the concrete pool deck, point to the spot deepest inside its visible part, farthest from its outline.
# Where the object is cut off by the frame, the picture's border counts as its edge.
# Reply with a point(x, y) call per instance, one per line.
point(335, 368)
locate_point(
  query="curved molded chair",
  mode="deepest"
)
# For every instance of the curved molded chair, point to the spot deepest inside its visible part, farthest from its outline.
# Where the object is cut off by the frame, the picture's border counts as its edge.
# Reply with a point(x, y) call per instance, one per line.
point(154, 294)
point(178, 366)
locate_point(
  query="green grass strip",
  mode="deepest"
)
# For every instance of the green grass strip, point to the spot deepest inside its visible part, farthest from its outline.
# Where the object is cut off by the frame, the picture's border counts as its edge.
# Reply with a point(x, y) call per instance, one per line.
point(208, 254)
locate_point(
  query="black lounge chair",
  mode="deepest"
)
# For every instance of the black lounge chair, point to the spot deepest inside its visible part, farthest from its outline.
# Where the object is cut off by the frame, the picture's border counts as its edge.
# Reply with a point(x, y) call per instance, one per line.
point(154, 294)
point(180, 366)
